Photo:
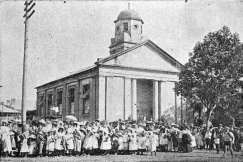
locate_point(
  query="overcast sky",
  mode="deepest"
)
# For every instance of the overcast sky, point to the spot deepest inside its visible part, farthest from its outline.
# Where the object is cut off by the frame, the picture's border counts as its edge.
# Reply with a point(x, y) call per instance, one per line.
point(66, 36)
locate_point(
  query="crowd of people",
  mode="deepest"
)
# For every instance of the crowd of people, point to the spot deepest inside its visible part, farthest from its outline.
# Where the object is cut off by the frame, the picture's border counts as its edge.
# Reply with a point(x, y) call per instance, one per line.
point(70, 138)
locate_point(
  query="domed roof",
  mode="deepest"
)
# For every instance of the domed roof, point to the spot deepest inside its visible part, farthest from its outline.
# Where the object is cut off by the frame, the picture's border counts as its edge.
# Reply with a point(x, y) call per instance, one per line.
point(129, 14)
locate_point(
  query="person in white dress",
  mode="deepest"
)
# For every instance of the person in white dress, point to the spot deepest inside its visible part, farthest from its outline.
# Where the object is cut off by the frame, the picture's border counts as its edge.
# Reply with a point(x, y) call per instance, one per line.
point(132, 142)
point(120, 142)
point(69, 141)
point(193, 141)
point(59, 141)
point(88, 142)
point(50, 143)
point(153, 143)
point(141, 141)
point(24, 145)
point(148, 145)
point(125, 141)
point(7, 145)
point(106, 143)
point(95, 137)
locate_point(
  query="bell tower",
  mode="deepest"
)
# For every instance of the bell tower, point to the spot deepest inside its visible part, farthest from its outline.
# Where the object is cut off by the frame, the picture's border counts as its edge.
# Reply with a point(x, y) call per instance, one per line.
point(128, 31)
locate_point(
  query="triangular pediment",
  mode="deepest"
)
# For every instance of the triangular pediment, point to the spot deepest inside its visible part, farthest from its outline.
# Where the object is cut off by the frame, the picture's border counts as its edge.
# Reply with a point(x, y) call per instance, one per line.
point(148, 56)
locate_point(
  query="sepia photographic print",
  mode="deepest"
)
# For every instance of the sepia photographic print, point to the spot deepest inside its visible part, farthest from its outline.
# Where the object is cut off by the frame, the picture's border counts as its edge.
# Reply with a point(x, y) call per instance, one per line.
point(121, 80)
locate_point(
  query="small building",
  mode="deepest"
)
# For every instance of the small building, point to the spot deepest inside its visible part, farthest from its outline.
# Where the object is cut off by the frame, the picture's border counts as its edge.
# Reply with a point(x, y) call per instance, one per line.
point(136, 80)
point(8, 113)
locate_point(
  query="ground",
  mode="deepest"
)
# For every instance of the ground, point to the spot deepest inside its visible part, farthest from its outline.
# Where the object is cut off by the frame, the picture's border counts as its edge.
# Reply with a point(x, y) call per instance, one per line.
point(196, 155)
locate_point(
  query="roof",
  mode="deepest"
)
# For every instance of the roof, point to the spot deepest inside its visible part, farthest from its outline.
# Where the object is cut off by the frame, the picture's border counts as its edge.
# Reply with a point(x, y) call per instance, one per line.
point(72, 73)
point(129, 14)
point(102, 61)
point(135, 47)
point(5, 109)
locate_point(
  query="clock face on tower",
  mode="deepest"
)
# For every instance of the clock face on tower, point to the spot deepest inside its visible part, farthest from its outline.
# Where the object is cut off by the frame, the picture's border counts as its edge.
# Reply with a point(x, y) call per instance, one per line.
point(135, 26)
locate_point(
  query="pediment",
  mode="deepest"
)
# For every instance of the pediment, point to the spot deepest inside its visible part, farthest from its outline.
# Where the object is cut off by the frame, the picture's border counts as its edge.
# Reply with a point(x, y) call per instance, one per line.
point(146, 56)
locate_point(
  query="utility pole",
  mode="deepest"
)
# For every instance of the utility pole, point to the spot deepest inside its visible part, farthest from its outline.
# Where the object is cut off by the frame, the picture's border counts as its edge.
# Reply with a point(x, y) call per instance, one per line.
point(28, 13)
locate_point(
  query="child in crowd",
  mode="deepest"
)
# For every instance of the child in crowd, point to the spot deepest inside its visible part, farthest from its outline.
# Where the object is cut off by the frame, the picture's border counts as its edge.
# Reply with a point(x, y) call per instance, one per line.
point(24, 145)
point(69, 140)
point(50, 143)
point(153, 143)
point(125, 142)
point(106, 143)
point(59, 142)
point(114, 144)
point(141, 141)
point(132, 142)
point(193, 141)
point(120, 143)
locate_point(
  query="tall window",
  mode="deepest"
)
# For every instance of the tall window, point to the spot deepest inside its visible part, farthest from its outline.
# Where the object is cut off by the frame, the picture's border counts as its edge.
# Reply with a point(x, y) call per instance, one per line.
point(59, 101)
point(86, 98)
point(49, 103)
point(41, 104)
point(125, 26)
point(71, 101)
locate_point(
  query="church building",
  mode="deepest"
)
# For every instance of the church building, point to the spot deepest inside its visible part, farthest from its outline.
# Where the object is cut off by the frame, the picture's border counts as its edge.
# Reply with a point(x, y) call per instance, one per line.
point(136, 80)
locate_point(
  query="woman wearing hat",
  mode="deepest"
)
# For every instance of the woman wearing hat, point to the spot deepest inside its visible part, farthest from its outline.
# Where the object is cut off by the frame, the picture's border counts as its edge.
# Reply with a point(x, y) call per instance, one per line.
point(5, 131)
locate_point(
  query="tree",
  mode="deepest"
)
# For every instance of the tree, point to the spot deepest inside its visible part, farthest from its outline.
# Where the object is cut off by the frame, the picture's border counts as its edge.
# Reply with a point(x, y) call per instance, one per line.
point(211, 76)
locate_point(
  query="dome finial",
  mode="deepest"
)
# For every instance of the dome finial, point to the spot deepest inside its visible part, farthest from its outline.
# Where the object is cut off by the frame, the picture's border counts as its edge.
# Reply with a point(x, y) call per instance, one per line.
point(128, 5)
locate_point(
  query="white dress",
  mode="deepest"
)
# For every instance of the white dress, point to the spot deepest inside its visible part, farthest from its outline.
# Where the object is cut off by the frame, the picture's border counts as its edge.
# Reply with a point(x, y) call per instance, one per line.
point(69, 141)
point(163, 139)
point(50, 143)
point(32, 147)
point(125, 141)
point(6, 138)
point(193, 142)
point(142, 143)
point(24, 147)
point(59, 141)
point(95, 137)
point(153, 142)
point(106, 143)
point(120, 141)
point(88, 141)
point(148, 142)
point(133, 142)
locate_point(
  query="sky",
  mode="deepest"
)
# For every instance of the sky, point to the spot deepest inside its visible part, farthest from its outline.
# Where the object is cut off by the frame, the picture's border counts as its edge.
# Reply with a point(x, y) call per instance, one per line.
point(66, 36)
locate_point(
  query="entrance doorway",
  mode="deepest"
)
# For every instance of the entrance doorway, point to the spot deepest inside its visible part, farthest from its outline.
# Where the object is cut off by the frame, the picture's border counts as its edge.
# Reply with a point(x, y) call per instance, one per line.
point(144, 98)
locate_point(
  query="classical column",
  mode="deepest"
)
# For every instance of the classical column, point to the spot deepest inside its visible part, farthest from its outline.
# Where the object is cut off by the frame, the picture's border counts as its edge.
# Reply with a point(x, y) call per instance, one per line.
point(134, 99)
point(155, 100)
point(127, 98)
point(175, 106)
point(162, 97)
point(102, 97)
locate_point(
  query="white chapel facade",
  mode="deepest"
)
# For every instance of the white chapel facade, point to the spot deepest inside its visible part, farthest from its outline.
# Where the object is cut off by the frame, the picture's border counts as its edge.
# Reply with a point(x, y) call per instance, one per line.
point(136, 80)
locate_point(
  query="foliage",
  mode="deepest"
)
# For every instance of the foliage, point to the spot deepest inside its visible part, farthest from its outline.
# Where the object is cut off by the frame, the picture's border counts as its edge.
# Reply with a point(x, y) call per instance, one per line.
point(212, 73)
